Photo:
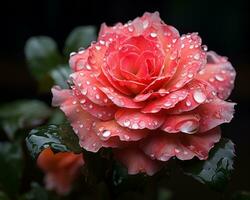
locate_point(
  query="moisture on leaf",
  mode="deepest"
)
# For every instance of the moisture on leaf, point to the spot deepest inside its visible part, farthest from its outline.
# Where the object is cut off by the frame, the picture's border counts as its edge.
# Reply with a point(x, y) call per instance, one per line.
point(59, 138)
point(217, 169)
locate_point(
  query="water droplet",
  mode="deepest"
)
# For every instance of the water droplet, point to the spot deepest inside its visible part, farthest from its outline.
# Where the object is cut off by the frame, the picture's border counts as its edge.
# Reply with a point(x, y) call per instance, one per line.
point(126, 123)
point(142, 124)
point(197, 56)
point(72, 54)
point(189, 127)
point(219, 78)
point(204, 47)
point(211, 79)
point(130, 29)
point(188, 103)
point(199, 96)
point(177, 150)
point(84, 91)
point(153, 35)
point(74, 102)
point(102, 42)
point(190, 75)
point(97, 96)
point(90, 106)
point(145, 24)
point(81, 125)
point(191, 46)
point(87, 82)
point(173, 55)
point(135, 126)
point(126, 137)
point(97, 48)
point(106, 133)
point(167, 104)
point(182, 46)
point(82, 101)
point(88, 67)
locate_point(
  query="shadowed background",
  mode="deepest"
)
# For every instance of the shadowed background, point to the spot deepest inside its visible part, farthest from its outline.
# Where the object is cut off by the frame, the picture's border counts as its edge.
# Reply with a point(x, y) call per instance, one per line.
point(223, 26)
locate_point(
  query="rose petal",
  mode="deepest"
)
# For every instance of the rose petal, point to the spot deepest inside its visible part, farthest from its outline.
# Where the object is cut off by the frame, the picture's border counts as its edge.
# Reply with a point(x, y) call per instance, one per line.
point(214, 113)
point(136, 161)
point(61, 169)
point(109, 129)
point(134, 119)
point(186, 123)
point(219, 73)
point(191, 59)
point(82, 122)
point(86, 84)
point(165, 102)
point(198, 93)
point(100, 112)
point(119, 99)
point(163, 146)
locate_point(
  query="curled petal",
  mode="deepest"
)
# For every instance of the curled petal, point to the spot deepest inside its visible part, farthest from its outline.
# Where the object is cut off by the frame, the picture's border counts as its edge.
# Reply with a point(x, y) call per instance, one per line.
point(83, 123)
point(219, 73)
point(134, 119)
point(79, 61)
point(198, 93)
point(136, 161)
point(214, 113)
point(163, 146)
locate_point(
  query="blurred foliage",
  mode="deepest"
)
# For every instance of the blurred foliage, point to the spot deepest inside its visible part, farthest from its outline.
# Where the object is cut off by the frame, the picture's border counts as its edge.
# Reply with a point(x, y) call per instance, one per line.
point(47, 65)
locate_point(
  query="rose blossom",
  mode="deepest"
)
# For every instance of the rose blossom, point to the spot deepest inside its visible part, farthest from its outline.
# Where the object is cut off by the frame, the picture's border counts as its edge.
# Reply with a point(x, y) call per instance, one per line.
point(148, 93)
point(61, 169)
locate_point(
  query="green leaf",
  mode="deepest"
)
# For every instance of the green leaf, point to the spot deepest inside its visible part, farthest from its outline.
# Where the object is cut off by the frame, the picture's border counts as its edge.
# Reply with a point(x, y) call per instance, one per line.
point(42, 55)
point(60, 138)
point(60, 75)
point(3, 196)
point(22, 114)
point(57, 117)
point(36, 193)
point(11, 166)
point(80, 37)
point(241, 195)
point(217, 169)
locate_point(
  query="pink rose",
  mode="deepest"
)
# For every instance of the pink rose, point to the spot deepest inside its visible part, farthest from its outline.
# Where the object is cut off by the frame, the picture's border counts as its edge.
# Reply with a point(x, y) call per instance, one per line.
point(61, 169)
point(148, 93)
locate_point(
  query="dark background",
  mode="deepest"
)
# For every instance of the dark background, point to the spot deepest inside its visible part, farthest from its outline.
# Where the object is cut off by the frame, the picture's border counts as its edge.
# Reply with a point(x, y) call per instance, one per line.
point(223, 26)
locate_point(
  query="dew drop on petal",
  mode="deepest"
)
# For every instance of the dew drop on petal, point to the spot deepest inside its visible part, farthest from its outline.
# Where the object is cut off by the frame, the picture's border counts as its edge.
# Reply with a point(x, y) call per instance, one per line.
point(153, 35)
point(106, 133)
point(199, 96)
point(126, 123)
point(219, 78)
point(189, 127)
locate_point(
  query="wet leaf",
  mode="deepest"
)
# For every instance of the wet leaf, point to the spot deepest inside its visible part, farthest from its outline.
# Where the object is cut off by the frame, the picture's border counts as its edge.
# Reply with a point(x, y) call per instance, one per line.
point(80, 37)
point(59, 138)
point(11, 166)
point(22, 114)
point(42, 55)
point(216, 170)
